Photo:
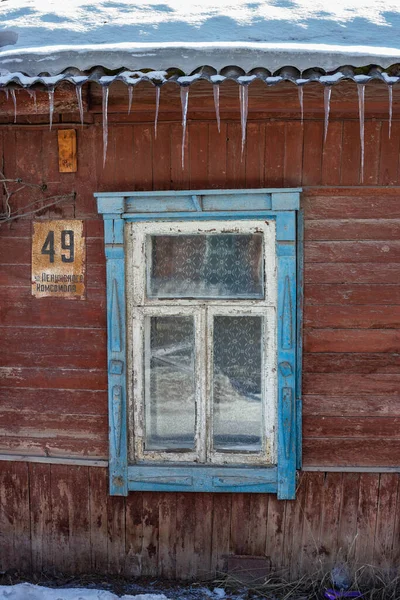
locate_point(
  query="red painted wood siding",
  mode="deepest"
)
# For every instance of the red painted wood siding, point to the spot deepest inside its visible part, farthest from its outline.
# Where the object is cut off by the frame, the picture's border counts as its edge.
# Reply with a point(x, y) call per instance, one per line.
point(53, 362)
point(53, 352)
point(46, 524)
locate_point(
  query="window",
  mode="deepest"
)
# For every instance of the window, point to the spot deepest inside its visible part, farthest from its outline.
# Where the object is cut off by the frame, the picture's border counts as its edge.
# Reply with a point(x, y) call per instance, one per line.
point(202, 340)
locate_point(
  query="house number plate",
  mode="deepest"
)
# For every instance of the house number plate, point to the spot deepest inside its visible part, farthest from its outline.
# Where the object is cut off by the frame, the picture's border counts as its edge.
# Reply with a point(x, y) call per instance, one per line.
point(58, 259)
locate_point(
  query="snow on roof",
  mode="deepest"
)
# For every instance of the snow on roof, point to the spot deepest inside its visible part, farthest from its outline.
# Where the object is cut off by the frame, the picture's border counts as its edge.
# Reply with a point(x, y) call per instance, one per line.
point(49, 36)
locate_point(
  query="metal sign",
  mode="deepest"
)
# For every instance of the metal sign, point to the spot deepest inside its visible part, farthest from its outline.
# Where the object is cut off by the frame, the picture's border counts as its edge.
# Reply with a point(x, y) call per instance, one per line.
point(58, 259)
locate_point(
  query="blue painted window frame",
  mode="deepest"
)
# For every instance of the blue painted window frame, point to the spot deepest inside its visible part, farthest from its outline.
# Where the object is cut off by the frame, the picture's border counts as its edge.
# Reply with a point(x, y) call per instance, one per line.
point(281, 205)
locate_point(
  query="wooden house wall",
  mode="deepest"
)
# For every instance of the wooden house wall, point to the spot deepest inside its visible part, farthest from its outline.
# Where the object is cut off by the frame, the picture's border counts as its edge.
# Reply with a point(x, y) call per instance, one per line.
point(53, 402)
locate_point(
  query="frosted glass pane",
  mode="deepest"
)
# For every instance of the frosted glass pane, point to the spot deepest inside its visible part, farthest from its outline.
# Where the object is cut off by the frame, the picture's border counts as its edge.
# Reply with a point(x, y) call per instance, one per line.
point(170, 383)
point(237, 384)
point(206, 266)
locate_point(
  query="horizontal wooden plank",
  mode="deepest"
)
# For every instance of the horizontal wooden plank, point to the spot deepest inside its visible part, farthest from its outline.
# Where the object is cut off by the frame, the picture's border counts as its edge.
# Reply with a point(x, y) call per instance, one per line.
point(35, 424)
point(351, 427)
point(355, 340)
point(350, 384)
point(355, 203)
point(19, 308)
point(337, 452)
point(356, 405)
point(352, 229)
point(371, 251)
point(352, 317)
point(64, 347)
point(58, 446)
point(351, 273)
point(65, 402)
point(20, 276)
point(60, 378)
point(361, 294)
point(92, 227)
point(352, 362)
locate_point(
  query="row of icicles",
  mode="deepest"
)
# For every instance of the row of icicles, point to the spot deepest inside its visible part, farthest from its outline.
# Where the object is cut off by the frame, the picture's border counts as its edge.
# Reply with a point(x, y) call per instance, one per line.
point(244, 109)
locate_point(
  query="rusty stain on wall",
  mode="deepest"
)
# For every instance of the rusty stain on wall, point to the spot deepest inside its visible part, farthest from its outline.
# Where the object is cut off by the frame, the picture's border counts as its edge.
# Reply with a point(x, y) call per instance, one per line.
point(58, 259)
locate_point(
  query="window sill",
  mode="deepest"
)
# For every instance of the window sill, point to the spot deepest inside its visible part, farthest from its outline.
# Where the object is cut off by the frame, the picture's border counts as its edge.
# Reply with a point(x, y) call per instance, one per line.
point(200, 478)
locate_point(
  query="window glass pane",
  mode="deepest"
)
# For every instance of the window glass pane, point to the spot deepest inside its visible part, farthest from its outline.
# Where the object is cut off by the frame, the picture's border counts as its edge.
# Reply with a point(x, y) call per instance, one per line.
point(237, 384)
point(206, 266)
point(170, 383)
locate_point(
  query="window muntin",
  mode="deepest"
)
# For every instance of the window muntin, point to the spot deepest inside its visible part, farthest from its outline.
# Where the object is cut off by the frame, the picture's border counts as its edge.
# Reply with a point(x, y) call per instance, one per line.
point(206, 430)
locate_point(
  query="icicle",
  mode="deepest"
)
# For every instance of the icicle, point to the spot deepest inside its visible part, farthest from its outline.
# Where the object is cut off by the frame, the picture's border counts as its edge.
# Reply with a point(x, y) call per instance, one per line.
point(14, 99)
point(51, 106)
point(300, 90)
point(216, 104)
point(390, 90)
point(6, 93)
point(361, 105)
point(327, 109)
point(32, 94)
point(184, 102)
point(244, 109)
point(105, 122)
point(78, 90)
point(130, 98)
point(158, 91)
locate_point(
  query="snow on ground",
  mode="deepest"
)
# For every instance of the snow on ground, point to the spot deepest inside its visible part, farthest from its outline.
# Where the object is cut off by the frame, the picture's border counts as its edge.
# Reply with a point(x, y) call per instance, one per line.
point(187, 33)
point(28, 591)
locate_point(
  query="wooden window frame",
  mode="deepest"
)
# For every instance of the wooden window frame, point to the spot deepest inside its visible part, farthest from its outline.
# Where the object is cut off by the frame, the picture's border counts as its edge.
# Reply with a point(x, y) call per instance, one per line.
point(279, 206)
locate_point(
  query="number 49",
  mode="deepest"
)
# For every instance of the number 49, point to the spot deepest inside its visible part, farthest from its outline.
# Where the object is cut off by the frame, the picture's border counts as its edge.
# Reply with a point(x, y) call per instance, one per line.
point(67, 243)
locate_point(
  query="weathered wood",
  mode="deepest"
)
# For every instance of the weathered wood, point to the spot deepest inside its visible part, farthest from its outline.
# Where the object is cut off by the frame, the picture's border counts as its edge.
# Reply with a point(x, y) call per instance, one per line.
point(369, 294)
point(150, 540)
point(361, 340)
point(386, 520)
point(330, 517)
point(18, 308)
point(63, 402)
point(352, 316)
point(331, 157)
point(350, 452)
point(335, 517)
point(167, 534)
point(185, 543)
point(274, 154)
point(347, 528)
point(220, 531)
point(351, 273)
point(349, 384)
point(15, 527)
point(58, 446)
point(352, 229)
point(116, 532)
point(40, 513)
point(34, 347)
point(351, 154)
point(352, 252)
point(355, 203)
point(366, 518)
point(68, 379)
point(351, 362)
point(312, 157)
point(98, 492)
point(352, 405)
point(351, 427)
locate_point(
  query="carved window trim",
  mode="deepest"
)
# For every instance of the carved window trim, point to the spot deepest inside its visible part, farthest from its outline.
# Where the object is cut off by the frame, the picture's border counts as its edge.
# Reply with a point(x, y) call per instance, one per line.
point(280, 206)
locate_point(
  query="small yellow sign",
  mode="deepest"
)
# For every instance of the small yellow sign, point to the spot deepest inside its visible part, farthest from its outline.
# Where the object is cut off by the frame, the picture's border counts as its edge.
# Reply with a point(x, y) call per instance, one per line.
point(58, 259)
